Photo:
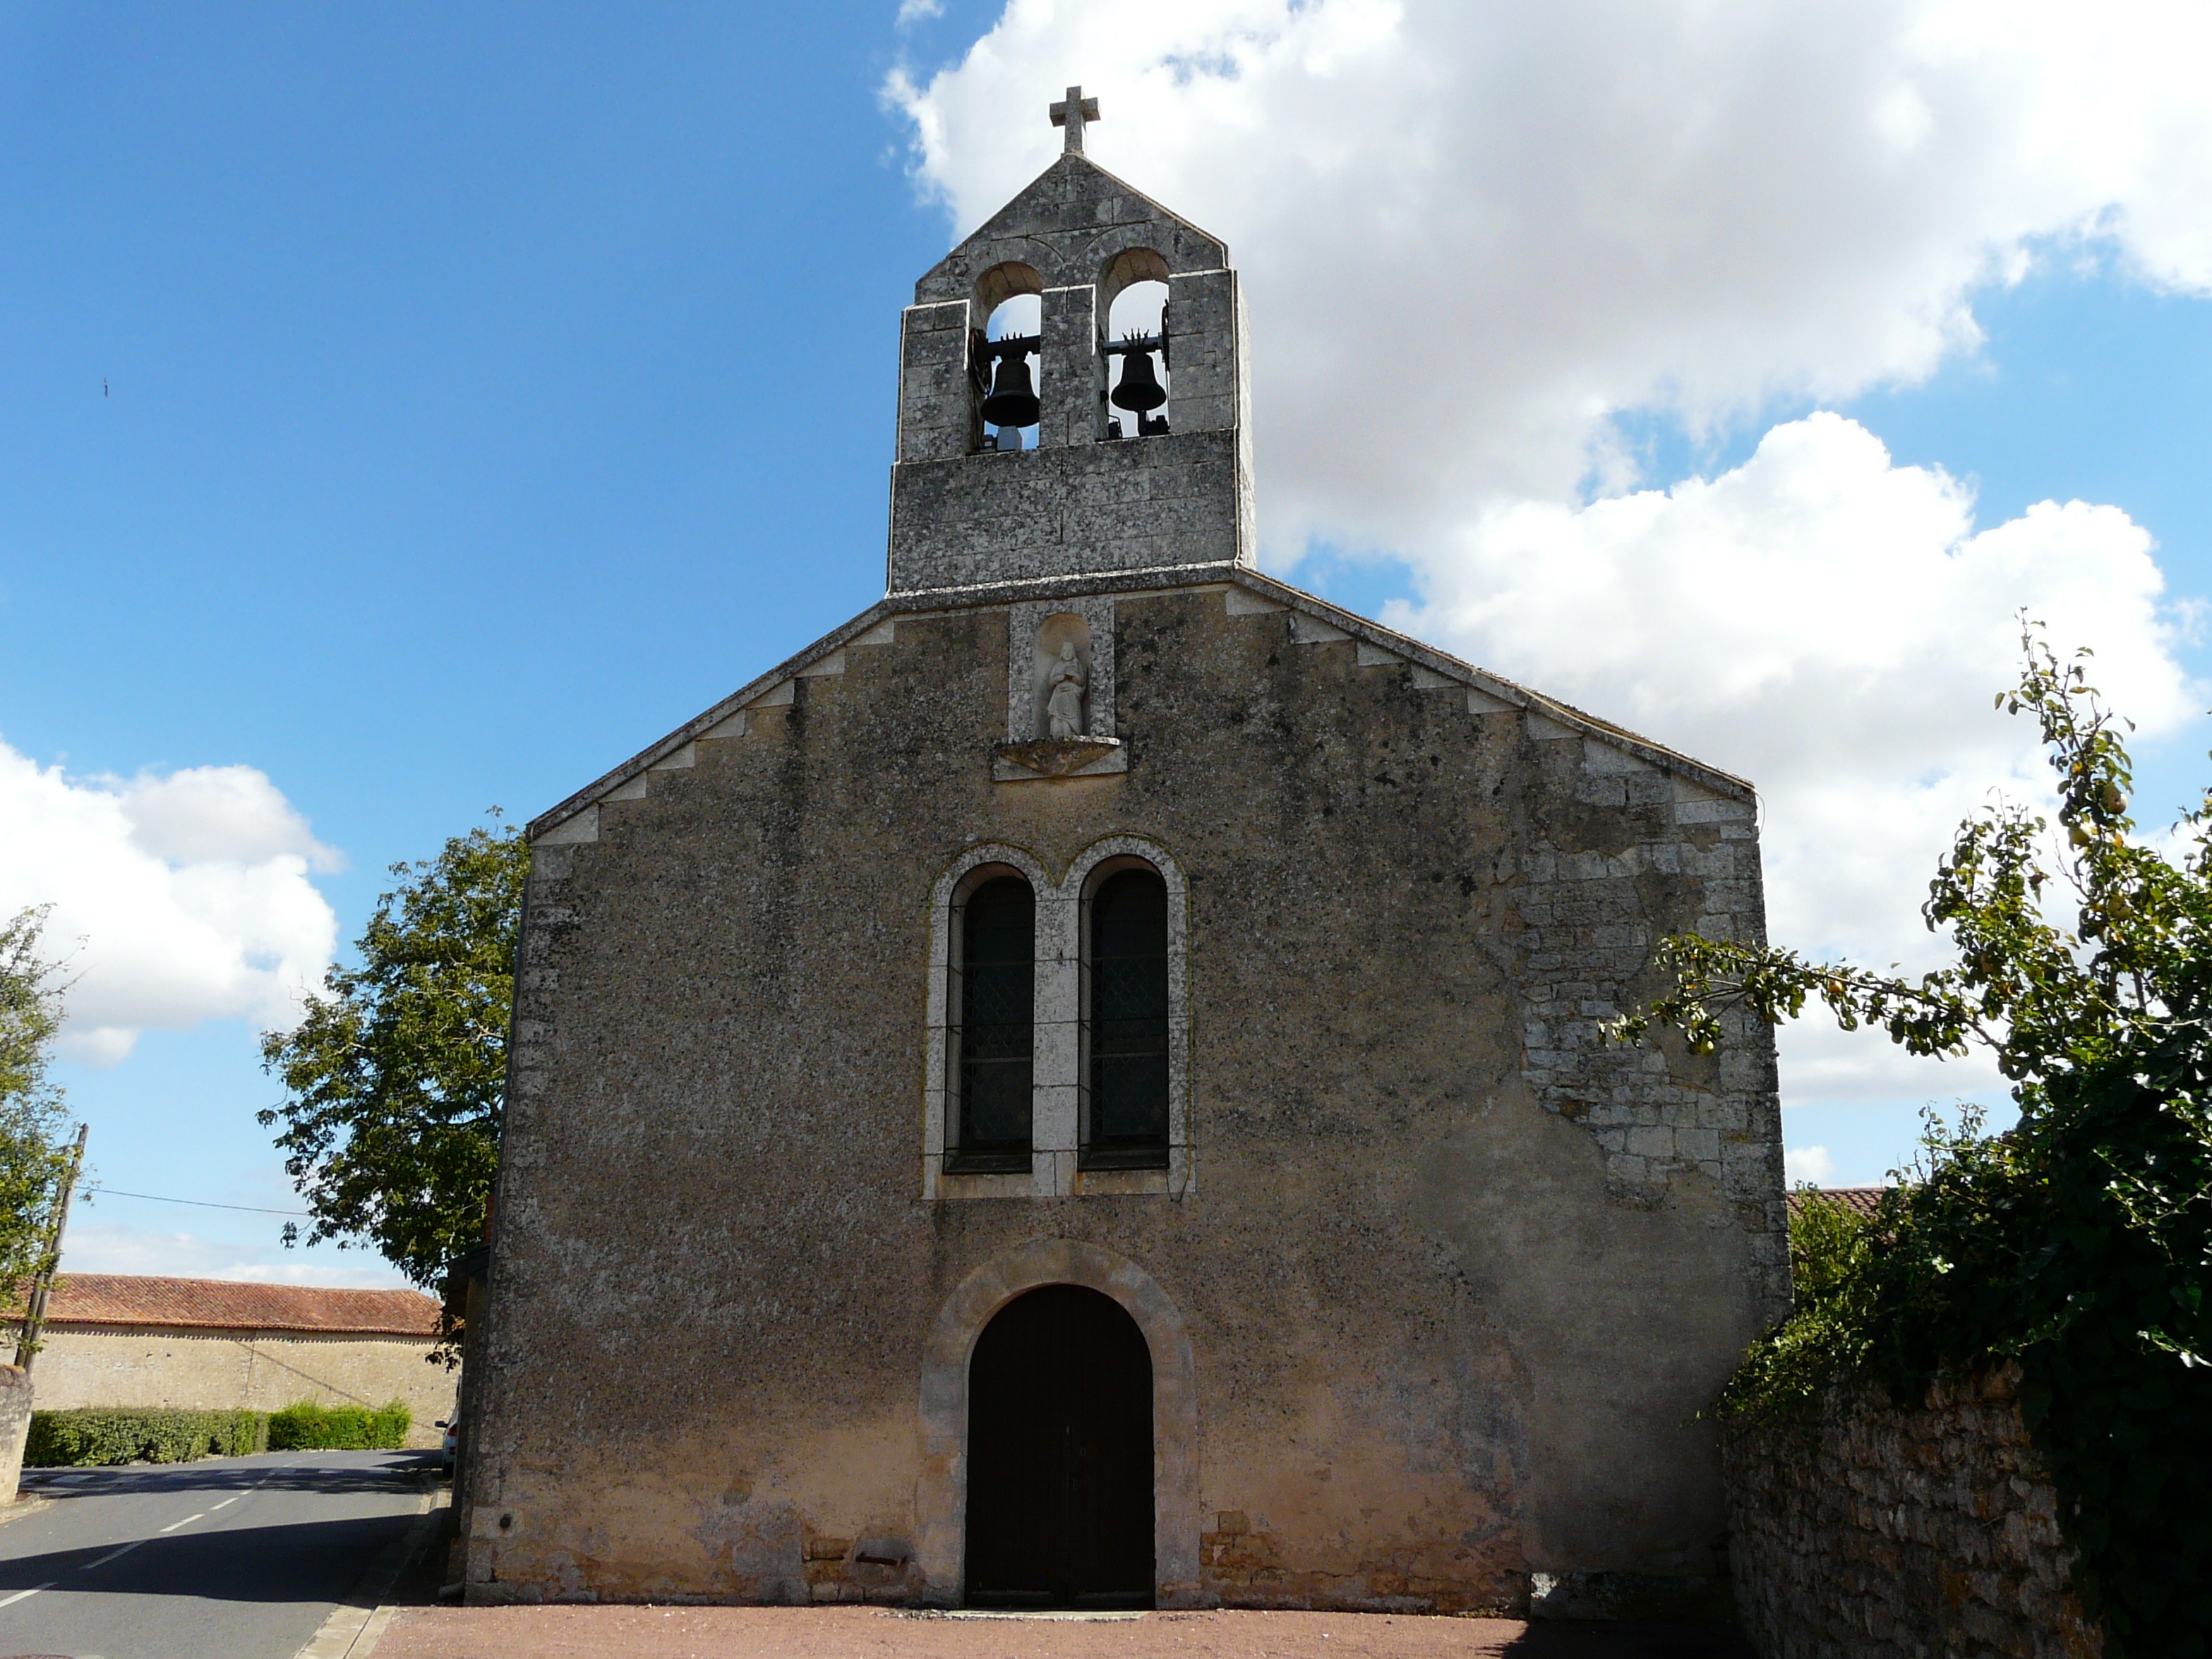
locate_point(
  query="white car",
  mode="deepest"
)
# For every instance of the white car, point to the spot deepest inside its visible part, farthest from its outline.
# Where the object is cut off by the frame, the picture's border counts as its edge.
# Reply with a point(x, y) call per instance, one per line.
point(450, 1444)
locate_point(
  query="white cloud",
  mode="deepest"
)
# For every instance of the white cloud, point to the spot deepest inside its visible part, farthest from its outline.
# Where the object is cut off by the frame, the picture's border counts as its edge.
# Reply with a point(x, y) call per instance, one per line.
point(1471, 234)
point(218, 814)
point(98, 1248)
point(1810, 1163)
point(1474, 229)
point(190, 891)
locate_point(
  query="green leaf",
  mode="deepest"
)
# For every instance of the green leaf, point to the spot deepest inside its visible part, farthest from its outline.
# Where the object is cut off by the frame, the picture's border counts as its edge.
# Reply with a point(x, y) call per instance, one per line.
point(2078, 1244)
point(394, 1077)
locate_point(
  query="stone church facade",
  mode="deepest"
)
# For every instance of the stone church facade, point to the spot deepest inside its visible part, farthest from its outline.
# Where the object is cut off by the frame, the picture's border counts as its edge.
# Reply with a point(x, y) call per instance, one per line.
point(1083, 1087)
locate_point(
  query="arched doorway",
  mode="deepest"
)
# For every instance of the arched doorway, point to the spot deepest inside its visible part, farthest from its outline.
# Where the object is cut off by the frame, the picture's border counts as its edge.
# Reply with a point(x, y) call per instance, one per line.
point(1060, 1455)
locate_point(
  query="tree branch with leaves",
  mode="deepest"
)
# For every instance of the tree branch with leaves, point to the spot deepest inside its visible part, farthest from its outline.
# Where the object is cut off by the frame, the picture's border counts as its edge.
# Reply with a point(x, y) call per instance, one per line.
point(2077, 1245)
point(395, 1076)
point(34, 1151)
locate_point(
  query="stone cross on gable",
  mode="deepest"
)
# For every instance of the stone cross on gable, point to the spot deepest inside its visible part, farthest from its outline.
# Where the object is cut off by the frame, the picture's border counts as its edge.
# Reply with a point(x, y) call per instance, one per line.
point(1072, 112)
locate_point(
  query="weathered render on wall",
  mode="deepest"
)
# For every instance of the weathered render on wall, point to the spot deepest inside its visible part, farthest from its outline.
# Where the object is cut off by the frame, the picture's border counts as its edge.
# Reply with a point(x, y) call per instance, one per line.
point(1458, 1277)
point(1869, 1530)
point(1433, 1281)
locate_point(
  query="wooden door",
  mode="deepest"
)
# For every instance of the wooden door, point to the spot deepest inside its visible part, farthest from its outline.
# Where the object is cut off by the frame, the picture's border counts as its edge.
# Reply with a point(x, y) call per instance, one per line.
point(1060, 1455)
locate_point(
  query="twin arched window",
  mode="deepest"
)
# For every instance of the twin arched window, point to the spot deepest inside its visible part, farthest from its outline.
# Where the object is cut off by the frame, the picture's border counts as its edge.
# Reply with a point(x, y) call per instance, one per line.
point(1121, 1021)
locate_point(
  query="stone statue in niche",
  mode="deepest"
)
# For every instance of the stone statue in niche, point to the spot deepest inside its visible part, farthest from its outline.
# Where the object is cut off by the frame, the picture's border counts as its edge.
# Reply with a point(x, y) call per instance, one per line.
point(1064, 693)
point(1059, 697)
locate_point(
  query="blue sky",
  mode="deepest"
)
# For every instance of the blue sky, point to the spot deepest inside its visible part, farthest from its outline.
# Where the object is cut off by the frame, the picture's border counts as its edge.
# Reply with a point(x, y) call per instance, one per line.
point(484, 393)
point(429, 407)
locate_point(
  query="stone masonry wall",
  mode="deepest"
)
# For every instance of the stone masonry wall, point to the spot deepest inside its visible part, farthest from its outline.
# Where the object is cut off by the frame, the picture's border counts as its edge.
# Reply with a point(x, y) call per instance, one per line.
point(1869, 1531)
point(225, 1371)
point(1618, 846)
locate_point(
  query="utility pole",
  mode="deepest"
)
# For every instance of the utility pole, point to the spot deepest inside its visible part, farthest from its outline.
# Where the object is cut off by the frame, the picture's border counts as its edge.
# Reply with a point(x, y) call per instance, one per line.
point(34, 1315)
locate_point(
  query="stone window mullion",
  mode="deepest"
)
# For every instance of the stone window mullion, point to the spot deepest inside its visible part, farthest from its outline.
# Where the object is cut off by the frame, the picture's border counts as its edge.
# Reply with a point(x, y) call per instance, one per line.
point(1058, 1097)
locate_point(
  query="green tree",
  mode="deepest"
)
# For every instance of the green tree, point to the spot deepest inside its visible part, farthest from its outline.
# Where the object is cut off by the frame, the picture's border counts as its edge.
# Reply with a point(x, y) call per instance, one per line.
point(2077, 1243)
point(395, 1076)
point(33, 1156)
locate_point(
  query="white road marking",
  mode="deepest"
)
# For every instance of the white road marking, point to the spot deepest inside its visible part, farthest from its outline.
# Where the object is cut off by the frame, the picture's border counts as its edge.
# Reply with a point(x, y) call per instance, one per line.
point(111, 1555)
point(186, 1521)
point(10, 1601)
point(227, 1502)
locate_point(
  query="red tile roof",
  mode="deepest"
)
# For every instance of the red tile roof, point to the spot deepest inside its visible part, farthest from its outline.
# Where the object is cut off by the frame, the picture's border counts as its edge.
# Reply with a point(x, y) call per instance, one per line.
point(1860, 1199)
point(226, 1304)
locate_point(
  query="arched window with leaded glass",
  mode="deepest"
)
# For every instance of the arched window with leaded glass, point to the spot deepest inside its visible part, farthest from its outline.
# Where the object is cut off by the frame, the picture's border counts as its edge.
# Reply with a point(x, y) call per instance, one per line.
point(991, 1030)
point(1125, 1120)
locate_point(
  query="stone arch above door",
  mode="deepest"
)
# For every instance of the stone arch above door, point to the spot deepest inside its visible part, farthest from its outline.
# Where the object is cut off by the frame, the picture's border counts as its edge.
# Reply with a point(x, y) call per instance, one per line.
point(941, 1491)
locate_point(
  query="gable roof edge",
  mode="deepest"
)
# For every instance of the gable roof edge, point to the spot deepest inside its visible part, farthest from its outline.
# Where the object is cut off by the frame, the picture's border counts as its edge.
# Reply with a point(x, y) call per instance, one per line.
point(1350, 623)
point(751, 691)
point(998, 212)
point(1505, 690)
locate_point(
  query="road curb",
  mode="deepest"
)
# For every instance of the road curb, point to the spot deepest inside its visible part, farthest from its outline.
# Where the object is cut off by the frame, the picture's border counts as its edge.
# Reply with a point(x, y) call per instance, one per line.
point(357, 1624)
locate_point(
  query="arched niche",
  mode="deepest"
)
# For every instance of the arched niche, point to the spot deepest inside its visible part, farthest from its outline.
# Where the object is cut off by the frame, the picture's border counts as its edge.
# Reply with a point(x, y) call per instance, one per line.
point(1061, 633)
point(941, 1491)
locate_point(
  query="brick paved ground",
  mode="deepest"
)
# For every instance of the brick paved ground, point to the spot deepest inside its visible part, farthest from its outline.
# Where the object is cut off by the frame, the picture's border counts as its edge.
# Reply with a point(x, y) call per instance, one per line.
point(646, 1632)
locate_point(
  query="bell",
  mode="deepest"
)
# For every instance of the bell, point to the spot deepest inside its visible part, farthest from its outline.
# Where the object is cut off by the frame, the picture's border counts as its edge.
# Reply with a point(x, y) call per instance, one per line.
point(1013, 400)
point(1139, 389)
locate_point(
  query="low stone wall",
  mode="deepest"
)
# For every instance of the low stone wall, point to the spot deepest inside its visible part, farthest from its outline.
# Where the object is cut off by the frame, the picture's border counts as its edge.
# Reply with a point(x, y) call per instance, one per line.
point(1864, 1530)
point(227, 1370)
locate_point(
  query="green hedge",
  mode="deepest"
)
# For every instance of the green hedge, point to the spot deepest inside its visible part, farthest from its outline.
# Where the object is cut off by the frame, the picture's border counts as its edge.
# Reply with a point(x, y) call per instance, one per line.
point(306, 1426)
point(157, 1435)
point(142, 1435)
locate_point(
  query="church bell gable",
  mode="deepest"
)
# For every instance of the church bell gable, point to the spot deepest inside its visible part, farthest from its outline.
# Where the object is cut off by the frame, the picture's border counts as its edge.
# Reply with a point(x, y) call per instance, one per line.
point(1014, 462)
point(1097, 967)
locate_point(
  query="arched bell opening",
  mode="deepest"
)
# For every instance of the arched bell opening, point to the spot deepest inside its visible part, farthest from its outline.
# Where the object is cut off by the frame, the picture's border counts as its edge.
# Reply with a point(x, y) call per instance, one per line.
point(1060, 1509)
point(1004, 365)
point(1134, 292)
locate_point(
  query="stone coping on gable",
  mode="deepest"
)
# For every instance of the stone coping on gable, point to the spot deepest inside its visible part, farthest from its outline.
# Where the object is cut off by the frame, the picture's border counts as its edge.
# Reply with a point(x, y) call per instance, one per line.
point(1134, 584)
point(1071, 177)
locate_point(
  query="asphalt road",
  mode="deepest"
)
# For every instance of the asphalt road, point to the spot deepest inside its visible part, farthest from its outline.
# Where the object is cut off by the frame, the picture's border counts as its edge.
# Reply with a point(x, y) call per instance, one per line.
point(231, 1557)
